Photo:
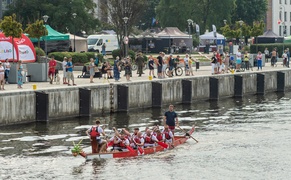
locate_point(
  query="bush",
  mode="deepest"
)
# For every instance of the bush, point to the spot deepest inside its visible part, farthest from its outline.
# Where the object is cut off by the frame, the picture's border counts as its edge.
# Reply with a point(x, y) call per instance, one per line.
point(115, 53)
point(39, 51)
point(131, 54)
point(261, 47)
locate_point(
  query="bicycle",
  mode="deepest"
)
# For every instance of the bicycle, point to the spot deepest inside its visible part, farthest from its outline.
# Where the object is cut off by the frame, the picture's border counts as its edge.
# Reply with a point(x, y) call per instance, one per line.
point(178, 71)
point(134, 67)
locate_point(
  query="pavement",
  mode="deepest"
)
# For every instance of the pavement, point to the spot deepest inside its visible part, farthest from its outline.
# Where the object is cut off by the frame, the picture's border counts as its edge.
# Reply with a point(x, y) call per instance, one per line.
point(202, 71)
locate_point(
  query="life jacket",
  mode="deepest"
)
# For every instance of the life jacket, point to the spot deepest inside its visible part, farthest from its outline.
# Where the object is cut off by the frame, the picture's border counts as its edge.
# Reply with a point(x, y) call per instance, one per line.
point(137, 140)
point(167, 135)
point(94, 131)
point(122, 143)
point(159, 137)
point(148, 140)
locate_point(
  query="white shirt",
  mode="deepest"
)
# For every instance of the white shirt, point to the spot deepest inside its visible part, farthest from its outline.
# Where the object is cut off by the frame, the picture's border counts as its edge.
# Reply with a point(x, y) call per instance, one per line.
point(64, 64)
point(238, 55)
point(6, 65)
point(186, 60)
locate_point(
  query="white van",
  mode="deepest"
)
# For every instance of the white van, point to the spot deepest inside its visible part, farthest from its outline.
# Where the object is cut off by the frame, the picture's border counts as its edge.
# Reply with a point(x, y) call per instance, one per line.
point(95, 42)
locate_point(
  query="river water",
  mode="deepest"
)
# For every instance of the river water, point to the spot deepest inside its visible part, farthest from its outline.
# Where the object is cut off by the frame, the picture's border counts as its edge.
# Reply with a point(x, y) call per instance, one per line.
point(245, 138)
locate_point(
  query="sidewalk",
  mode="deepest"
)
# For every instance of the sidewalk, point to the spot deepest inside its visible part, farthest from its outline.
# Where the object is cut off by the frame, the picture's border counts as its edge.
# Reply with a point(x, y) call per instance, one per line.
point(203, 71)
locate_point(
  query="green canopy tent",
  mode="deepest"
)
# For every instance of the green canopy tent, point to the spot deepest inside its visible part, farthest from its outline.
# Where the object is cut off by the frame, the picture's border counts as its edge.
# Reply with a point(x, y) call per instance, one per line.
point(53, 35)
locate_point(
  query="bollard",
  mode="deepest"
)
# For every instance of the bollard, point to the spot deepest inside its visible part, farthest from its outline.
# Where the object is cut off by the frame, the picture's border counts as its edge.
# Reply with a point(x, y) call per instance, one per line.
point(34, 87)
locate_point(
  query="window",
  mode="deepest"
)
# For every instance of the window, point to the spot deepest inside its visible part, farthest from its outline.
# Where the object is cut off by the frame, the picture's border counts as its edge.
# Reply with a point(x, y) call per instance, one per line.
point(290, 16)
point(280, 33)
point(280, 15)
point(290, 30)
point(280, 2)
point(285, 16)
point(285, 1)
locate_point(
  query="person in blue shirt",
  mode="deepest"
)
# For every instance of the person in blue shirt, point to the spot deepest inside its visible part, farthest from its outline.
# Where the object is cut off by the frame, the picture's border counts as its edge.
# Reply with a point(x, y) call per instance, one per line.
point(70, 74)
point(171, 118)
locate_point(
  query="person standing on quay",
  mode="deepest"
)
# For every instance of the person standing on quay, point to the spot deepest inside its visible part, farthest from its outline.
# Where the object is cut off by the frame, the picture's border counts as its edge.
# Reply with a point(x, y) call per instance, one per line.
point(2, 76)
point(7, 69)
point(171, 118)
point(52, 69)
point(140, 64)
point(116, 69)
point(70, 74)
point(127, 68)
point(259, 59)
point(92, 70)
point(19, 74)
point(64, 64)
point(151, 66)
point(160, 65)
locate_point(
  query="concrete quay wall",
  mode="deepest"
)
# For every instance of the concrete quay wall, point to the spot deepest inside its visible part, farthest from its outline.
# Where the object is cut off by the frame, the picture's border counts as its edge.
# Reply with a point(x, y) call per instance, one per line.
point(28, 105)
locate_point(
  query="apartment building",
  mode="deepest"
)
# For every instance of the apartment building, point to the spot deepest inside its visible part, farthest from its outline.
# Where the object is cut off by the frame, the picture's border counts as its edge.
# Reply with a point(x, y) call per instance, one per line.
point(278, 17)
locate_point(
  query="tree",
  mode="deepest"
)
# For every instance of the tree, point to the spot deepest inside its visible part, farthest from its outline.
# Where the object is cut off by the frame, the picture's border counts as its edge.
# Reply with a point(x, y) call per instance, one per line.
point(203, 12)
point(250, 11)
point(116, 10)
point(12, 28)
point(60, 13)
point(36, 30)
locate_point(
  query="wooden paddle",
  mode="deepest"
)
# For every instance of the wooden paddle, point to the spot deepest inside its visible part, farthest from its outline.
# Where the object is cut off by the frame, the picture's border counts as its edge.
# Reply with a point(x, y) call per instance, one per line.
point(138, 147)
point(186, 133)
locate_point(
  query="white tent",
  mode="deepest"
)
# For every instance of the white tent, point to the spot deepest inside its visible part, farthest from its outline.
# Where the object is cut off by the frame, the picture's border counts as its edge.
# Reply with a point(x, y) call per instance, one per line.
point(210, 36)
point(81, 43)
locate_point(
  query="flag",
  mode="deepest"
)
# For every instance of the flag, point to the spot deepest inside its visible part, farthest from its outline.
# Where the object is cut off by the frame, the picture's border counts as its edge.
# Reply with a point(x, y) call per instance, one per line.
point(214, 30)
point(197, 29)
point(153, 21)
point(279, 21)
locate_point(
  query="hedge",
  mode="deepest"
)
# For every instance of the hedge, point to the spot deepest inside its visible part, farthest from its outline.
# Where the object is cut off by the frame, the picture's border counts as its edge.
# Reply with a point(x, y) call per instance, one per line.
point(261, 47)
point(79, 58)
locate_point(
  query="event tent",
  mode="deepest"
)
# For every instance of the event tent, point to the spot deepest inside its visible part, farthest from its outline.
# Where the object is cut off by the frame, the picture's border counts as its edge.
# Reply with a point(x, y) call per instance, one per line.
point(53, 35)
point(80, 42)
point(209, 38)
point(269, 37)
point(23, 48)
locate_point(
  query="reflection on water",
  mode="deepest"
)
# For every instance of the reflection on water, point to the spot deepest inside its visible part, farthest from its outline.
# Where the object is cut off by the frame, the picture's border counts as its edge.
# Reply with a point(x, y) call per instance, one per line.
point(239, 138)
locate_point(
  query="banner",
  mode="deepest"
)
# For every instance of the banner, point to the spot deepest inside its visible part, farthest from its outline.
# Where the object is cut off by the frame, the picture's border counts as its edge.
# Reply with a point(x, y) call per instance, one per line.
point(23, 49)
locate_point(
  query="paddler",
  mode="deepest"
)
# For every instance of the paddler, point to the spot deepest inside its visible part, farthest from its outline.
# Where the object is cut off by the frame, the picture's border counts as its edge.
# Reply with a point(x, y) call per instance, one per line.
point(94, 134)
point(168, 136)
point(149, 139)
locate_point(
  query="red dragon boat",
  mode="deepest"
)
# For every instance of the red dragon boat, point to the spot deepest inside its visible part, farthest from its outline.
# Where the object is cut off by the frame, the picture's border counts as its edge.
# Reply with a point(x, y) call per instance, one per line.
point(125, 154)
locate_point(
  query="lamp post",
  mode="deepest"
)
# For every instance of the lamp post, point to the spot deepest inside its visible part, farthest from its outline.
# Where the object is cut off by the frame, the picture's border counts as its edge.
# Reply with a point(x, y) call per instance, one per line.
point(125, 19)
point(190, 22)
point(45, 18)
point(74, 16)
point(240, 23)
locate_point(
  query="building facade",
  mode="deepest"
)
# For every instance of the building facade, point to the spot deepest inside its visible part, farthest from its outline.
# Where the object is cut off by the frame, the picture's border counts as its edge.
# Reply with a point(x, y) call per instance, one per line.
point(278, 17)
point(3, 6)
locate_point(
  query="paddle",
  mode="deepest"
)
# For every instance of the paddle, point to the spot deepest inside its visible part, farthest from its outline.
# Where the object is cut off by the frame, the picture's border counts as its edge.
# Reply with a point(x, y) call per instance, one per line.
point(164, 145)
point(130, 149)
point(140, 150)
point(186, 133)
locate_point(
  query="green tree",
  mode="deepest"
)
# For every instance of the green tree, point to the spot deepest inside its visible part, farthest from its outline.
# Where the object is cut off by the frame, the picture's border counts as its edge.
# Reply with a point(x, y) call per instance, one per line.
point(203, 12)
point(36, 30)
point(60, 13)
point(250, 11)
point(12, 28)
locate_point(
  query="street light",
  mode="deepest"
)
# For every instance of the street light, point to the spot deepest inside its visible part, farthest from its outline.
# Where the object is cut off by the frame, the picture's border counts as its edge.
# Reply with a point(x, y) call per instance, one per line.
point(74, 16)
point(45, 18)
point(190, 22)
point(125, 19)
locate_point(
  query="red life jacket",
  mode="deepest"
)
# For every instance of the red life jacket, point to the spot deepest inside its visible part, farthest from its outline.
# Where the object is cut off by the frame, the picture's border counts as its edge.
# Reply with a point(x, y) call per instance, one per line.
point(160, 137)
point(148, 140)
point(94, 132)
point(137, 140)
point(167, 135)
point(122, 143)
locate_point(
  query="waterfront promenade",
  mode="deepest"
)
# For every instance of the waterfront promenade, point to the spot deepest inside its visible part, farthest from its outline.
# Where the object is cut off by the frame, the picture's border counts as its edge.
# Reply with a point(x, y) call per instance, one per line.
point(202, 71)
